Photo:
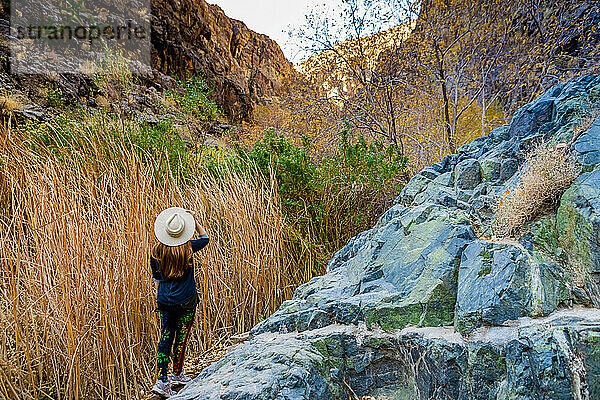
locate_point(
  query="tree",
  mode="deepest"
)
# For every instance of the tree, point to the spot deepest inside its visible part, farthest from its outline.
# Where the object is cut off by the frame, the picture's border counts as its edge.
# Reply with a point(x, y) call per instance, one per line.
point(436, 73)
point(348, 70)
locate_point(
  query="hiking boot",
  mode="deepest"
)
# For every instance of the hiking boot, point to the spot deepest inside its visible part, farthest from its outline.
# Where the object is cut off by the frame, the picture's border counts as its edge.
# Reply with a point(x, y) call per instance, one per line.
point(180, 379)
point(163, 388)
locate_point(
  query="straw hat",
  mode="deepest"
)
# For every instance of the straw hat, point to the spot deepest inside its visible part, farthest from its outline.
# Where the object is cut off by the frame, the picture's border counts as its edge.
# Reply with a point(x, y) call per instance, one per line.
point(174, 226)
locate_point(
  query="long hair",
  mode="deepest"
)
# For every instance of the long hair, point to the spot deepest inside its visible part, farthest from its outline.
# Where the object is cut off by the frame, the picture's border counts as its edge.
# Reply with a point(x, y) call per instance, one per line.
point(173, 260)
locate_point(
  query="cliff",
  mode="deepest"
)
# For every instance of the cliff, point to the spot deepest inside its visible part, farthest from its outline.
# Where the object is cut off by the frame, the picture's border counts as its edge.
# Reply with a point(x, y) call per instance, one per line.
point(191, 36)
point(422, 307)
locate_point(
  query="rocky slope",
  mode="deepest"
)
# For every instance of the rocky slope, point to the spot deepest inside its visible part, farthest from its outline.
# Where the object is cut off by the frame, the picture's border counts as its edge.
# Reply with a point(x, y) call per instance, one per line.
point(188, 37)
point(420, 307)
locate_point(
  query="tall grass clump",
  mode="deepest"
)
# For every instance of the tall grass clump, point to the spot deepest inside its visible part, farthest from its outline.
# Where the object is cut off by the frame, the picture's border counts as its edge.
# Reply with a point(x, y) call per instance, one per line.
point(78, 197)
point(8, 105)
point(547, 173)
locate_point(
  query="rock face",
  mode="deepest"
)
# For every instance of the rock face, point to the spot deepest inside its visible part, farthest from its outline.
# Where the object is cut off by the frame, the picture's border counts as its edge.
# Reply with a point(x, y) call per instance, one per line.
point(420, 307)
point(550, 358)
point(192, 36)
point(401, 272)
point(578, 226)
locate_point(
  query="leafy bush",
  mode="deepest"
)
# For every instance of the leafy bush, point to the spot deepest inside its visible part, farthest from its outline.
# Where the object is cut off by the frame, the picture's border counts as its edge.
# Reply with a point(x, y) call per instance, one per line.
point(192, 98)
point(373, 163)
point(548, 172)
point(293, 169)
point(326, 201)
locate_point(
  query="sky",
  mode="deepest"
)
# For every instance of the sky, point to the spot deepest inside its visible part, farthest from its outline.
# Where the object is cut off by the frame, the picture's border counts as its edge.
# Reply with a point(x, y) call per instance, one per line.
point(271, 17)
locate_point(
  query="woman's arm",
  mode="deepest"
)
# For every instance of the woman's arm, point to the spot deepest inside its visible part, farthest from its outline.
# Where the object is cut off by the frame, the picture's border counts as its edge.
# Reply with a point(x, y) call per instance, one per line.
point(200, 229)
point(154, 268)
point(200, 243)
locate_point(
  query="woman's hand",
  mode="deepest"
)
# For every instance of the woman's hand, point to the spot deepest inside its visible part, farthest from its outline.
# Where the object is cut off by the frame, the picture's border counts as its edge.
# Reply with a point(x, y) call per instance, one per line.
point(199, 228)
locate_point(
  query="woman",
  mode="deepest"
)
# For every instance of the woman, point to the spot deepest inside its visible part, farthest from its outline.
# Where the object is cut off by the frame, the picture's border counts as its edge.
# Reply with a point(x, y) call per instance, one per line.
point(172, 267)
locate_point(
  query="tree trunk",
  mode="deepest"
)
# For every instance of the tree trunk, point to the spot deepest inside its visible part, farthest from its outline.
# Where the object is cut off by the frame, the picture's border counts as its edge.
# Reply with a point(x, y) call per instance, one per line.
point(449, 138)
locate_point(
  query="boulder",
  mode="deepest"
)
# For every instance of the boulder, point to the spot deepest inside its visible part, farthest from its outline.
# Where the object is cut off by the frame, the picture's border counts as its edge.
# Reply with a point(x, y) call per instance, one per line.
point(467, 174)
point(501, 282)
point(586, 146)
point(416, 185)
point(445, 179)
point(495, 285)
point(556, 357)
point(441, 195)
point(508, 169)
point(531, 118)
point(554, 361)
point(490, 169)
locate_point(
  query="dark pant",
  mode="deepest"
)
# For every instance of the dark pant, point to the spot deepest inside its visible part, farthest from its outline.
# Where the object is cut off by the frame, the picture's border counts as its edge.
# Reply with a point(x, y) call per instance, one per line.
point(176, 324)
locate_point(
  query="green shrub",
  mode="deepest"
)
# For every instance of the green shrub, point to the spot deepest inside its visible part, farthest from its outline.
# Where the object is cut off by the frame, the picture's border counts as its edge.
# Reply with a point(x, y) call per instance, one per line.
point(295, 173)
point(328, 200)
point(380, 166)
point(192, 98)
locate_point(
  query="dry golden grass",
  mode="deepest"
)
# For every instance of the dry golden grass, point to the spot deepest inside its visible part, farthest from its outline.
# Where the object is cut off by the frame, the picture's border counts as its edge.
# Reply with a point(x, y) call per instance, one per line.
point(8, 105)
point(76, 294)
point(548, 172)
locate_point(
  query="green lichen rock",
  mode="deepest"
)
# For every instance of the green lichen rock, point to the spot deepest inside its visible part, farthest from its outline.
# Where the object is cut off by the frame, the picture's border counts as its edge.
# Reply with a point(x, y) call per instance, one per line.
point(586, 147)
point(490, 169)
point(503, 281)
point(578, 224)
point(468, 174)
point(404, 273)
point(556, 357)
point(496, 285)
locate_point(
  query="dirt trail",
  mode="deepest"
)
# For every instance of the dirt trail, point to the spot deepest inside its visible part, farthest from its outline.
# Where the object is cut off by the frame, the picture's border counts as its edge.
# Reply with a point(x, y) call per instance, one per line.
point(195, 365)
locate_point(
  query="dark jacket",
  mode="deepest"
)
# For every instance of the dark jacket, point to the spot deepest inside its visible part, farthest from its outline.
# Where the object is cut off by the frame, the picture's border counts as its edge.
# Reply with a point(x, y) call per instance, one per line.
point(177, 291)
